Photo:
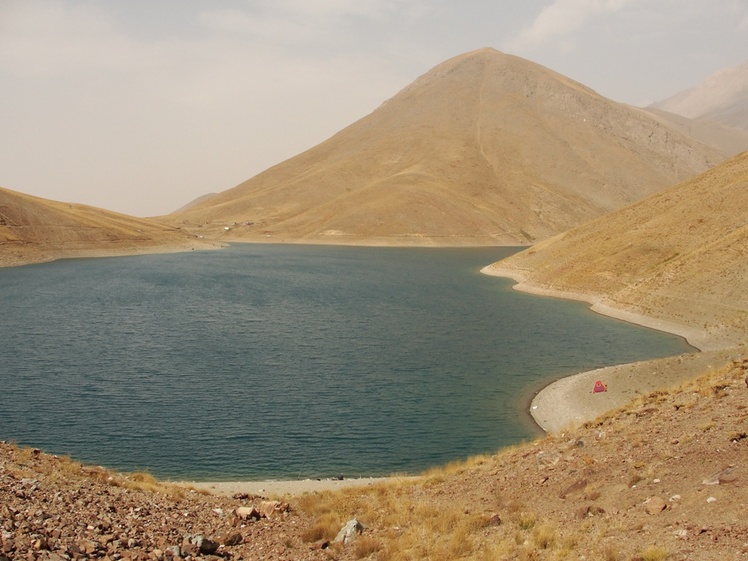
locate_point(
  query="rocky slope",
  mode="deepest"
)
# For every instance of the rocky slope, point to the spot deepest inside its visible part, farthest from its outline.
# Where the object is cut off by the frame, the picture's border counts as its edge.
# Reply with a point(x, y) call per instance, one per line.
point(34, 230)
point(664, 478)
point(485, 148)
point(721, 98)
point(53, 508)
point(726, 139)
point(680, 256)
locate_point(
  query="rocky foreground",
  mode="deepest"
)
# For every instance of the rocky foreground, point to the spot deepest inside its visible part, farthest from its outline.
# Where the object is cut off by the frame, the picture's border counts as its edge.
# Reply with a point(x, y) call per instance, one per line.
point(665, 478)
point(53, 508)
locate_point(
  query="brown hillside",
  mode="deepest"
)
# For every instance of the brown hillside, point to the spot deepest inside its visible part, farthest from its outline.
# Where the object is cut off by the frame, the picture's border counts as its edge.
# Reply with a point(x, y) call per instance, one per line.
point(680, 256)
point(34, 230)
point(486, 148)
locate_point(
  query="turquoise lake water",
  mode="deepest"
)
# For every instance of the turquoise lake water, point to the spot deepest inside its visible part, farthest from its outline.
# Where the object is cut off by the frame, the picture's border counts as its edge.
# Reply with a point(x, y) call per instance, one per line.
point(270, 361)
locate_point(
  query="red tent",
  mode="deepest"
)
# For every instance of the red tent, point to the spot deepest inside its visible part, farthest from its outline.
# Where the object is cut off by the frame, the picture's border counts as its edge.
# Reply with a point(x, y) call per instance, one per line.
point(599, 387)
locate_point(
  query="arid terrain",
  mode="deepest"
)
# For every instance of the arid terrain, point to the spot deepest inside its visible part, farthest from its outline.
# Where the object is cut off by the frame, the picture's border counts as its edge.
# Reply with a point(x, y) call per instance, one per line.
point(653, 469)
point(33, 230)
point(679, 257)
point(484, 149)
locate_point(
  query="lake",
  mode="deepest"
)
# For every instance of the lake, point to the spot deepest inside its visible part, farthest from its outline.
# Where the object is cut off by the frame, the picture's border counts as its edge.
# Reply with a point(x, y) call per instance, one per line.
point(287, 361)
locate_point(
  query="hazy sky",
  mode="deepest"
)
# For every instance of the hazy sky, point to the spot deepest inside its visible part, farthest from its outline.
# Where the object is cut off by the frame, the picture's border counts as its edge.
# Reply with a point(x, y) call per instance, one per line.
point(140, 106)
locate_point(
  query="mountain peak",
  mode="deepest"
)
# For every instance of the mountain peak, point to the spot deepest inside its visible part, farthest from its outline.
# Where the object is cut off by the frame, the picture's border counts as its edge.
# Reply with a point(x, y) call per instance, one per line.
point(485, 148)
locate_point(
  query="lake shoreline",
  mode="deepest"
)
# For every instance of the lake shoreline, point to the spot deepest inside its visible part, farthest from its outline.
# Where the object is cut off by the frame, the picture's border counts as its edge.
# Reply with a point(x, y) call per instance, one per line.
point(570, 401)
point(291, 487)
point(530, 405)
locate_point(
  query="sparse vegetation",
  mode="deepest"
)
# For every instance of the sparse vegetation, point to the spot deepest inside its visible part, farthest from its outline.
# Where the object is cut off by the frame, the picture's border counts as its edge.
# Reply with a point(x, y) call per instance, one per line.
point(325, 528)
point(655, 553)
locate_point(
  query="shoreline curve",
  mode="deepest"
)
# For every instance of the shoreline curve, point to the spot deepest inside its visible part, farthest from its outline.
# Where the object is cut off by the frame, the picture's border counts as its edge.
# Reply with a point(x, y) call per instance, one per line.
point(291, 487)
point(569, 402)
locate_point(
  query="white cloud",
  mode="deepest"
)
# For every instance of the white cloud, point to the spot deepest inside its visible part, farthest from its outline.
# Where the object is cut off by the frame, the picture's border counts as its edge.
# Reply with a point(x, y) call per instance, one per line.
point(560, 19)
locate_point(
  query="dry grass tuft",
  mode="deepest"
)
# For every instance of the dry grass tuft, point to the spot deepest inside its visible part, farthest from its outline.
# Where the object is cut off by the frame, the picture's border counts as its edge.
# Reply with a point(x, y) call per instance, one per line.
point(525, 520)
point(366, 546)
point(655, 553)
point(326, 527)
point(544, 536)
point(610, 554)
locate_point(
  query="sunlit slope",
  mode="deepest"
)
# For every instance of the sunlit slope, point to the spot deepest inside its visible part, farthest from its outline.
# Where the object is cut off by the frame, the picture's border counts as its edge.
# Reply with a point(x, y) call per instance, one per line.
point(681, 255)
point(485, 148)
point(34, 229)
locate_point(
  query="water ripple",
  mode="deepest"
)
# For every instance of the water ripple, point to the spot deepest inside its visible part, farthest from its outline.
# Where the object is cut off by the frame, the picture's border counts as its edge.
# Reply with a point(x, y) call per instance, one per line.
point(286, 361)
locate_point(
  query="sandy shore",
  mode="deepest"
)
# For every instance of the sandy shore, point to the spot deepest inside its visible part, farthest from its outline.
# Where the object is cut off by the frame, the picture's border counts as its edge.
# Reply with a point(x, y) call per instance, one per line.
point(570, 401)
point(272, 488)
point(695, 337)
point(37, 255)
point(560, 406)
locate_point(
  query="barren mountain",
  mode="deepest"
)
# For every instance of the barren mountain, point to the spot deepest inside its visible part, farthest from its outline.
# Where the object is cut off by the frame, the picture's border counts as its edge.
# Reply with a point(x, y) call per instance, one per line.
point(726, 139)
point(485, 148)
point(680, 256)
point(721, 98)
point(34, 229)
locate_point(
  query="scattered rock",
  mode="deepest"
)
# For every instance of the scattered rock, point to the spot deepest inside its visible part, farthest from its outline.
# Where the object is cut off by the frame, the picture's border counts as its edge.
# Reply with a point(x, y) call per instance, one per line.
point(349, 532)
point(321, 544)
point(588, 511)
point(205, 546)
point(727, 475)
point(548, 458)
point(269, 509)
point(655, 505)
point(577, 486)
point(247, 512)
point(229, 539)
point(89, 546)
